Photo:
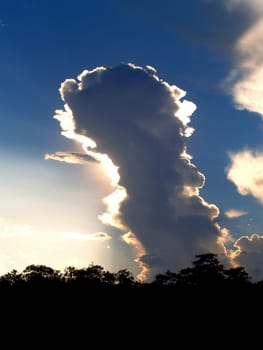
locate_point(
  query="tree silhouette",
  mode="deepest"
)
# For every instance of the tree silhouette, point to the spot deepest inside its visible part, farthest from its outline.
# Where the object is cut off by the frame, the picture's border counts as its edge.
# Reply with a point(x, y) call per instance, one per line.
point(12, 278)
point(69, 274)
point(40, 275)
point(92, 276)
point(207, 272)
point(237, 276)
point(109, 278)
point(124, 278)
point(167, 279)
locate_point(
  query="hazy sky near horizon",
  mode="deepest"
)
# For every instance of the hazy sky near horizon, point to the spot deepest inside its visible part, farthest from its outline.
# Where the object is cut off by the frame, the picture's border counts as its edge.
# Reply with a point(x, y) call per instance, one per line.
point(212, 50)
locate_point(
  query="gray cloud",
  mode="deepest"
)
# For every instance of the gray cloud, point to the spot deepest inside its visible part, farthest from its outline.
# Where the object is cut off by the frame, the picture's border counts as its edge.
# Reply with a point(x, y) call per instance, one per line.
point(234, 28)
point(249, 253)
point(141, 121)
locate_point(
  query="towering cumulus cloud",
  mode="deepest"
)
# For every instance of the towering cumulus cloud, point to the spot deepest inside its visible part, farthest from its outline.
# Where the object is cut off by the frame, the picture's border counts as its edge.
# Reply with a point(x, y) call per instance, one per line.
point(135, 124)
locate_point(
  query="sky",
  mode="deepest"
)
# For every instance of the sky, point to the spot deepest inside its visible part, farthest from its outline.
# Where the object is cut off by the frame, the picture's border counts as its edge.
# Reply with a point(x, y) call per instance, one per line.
point(131, 134)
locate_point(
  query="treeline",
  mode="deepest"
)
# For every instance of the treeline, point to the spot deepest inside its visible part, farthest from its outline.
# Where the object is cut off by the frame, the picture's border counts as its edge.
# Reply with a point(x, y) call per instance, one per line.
point(206, 272)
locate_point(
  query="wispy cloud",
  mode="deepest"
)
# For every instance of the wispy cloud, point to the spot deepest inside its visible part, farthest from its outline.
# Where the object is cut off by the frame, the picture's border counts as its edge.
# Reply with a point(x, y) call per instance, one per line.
point(235, 213)
point(97, 236)
point(71, 157)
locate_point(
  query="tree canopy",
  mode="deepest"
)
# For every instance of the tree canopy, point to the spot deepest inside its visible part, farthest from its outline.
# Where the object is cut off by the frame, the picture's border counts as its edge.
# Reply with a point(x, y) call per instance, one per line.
point(206, 272)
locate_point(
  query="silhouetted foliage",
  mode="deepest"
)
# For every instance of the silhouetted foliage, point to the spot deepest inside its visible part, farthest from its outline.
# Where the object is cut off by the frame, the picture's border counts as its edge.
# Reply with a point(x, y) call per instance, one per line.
point(237, 276)
point(41, 276)
point(108, 278)
point(11, 279)
point(90, 276)
point(206, 273)
point(169, 278)
point(124, 278)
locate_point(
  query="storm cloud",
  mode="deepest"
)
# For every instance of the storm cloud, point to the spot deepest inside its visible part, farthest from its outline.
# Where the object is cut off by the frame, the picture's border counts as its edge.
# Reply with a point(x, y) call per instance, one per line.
point(128, 114)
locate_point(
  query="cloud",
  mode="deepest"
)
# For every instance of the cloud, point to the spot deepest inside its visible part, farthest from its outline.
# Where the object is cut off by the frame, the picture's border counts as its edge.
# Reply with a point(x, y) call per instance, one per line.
point(232, 28)
point(97, 236)
point(214, 24)
point(223, 240)
point(245, 79)
point(136, 125)
point(249, 253)
point(245, 83)
point(245, 171)
point(71, 157)
point(252, 5)
point(235, 213)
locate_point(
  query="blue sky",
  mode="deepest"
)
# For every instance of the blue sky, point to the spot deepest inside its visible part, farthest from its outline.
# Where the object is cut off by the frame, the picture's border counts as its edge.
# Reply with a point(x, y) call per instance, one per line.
point(196, 45)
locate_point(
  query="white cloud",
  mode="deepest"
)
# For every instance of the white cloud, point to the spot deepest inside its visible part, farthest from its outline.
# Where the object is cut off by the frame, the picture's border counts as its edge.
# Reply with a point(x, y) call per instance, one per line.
point(246, 86)
point(249, 254)
point(141, 123)
point(246, 78)
point(97, 236)
point(71, 157)
point(245, 171)
point(235, 213)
